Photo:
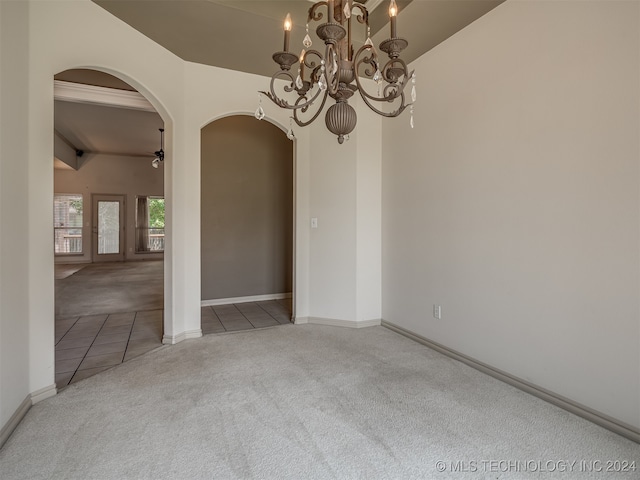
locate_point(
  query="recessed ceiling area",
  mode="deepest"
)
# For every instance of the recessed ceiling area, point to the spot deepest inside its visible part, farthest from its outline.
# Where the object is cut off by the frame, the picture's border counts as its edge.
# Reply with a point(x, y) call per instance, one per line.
point(242, 35)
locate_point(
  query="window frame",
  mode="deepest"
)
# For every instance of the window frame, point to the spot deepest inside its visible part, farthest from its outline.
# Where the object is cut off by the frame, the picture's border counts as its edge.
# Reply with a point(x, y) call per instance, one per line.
point(137, 226)
point(56, 228)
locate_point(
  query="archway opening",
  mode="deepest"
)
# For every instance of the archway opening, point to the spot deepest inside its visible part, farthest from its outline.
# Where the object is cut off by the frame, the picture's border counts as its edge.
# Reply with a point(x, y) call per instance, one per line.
point(247, 225)
point(108, 224)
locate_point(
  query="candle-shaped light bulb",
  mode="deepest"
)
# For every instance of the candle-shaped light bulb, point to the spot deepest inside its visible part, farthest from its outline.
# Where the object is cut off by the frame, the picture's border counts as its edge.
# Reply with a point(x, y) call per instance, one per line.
point(287, 31)
point(393, 13)
point(393, 9)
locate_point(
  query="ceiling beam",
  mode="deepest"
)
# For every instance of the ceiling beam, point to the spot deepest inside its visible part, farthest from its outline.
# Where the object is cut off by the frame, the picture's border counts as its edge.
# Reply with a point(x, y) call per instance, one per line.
point(64, 151)
point(91, 94)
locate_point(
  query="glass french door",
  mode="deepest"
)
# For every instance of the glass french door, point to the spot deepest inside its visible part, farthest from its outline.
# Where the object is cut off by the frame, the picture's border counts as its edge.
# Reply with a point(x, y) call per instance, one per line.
point(108, 228)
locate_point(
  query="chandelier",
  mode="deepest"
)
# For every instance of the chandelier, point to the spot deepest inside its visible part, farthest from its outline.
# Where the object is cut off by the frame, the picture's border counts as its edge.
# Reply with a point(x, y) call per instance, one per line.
point(338, 71)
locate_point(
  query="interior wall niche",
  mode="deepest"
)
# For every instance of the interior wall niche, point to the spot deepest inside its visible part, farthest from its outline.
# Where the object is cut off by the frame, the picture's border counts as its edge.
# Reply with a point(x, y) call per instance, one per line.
point(246, 209)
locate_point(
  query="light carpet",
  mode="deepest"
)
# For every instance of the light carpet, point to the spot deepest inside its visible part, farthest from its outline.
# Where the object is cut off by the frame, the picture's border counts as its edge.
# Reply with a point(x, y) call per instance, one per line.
point(304, 402)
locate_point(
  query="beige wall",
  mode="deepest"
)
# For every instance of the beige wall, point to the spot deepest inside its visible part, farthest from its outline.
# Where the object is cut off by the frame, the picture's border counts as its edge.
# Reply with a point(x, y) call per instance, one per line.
point(514, 202)
point(110, 174)
point(14, 258)
point(246, 208)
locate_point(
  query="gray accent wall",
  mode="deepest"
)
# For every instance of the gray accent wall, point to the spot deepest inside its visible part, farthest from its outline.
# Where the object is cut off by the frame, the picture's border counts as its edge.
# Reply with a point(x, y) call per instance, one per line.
point(246, 209)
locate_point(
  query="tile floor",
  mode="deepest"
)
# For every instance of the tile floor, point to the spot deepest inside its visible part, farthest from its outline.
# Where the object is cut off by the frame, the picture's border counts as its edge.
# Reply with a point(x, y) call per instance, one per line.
point(89, 344)
point(244, 316)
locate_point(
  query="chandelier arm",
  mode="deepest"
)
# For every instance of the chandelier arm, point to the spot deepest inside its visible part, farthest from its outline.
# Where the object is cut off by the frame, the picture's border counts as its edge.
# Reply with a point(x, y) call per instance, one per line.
point(390, 74)
point(372, 60)
point(301, 123)
point(391, 114)
point(364, 15)
point(281, 102)
point(398, 92)
point(390, 95)
point(284, 104)
point(311, 65)
point(312, 12)
point(392, 91)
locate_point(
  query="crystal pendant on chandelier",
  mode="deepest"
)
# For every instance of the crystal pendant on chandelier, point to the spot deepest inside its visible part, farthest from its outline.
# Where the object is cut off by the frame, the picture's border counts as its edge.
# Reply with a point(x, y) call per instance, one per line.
point(259, 111)
point(307, 39)
point(369, 42)
point(377, 77)
point(347, 10)
point(290, 134)
point(413, 89)
point(411, 121)
point(322, 82)
point(299, 83)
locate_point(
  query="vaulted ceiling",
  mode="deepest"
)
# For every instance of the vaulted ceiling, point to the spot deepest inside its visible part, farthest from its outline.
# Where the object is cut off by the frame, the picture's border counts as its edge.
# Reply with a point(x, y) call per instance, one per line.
point(234, 34)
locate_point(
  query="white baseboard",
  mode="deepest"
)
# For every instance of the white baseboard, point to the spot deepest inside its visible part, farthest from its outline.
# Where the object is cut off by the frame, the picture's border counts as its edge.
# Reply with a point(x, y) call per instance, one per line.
point(253, 298)
point(605, 421)
point(173, 339)
point(71, 260)
point(23, 408)
point(15, 419)
point(337, 322)
point(43, 393)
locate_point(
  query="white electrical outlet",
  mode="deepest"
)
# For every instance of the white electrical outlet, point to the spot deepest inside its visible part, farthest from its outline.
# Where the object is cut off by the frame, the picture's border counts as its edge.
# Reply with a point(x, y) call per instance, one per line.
point(437, 312)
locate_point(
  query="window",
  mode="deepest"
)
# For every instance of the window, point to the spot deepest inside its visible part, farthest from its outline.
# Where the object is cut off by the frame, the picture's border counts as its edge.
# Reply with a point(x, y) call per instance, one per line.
point(67, 224)
point(149, 224)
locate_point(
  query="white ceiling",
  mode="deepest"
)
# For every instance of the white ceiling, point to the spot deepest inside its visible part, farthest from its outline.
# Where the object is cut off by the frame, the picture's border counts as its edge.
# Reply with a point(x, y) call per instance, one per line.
point(109, 130)
point(106, 127)
point(235, 34)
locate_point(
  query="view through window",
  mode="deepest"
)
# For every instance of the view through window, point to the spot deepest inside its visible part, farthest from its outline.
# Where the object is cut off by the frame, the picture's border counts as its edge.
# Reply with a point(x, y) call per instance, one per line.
point(149, 224)
point(108, 227)
point(67, 224)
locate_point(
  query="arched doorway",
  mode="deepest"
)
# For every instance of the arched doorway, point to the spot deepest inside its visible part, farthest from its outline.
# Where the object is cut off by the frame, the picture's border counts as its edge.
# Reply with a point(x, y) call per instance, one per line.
point(247, 224)
point(108, 224)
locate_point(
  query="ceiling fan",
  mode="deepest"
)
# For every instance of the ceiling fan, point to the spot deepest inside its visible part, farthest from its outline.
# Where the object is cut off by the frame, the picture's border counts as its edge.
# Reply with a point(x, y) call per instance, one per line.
point(155, 163)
